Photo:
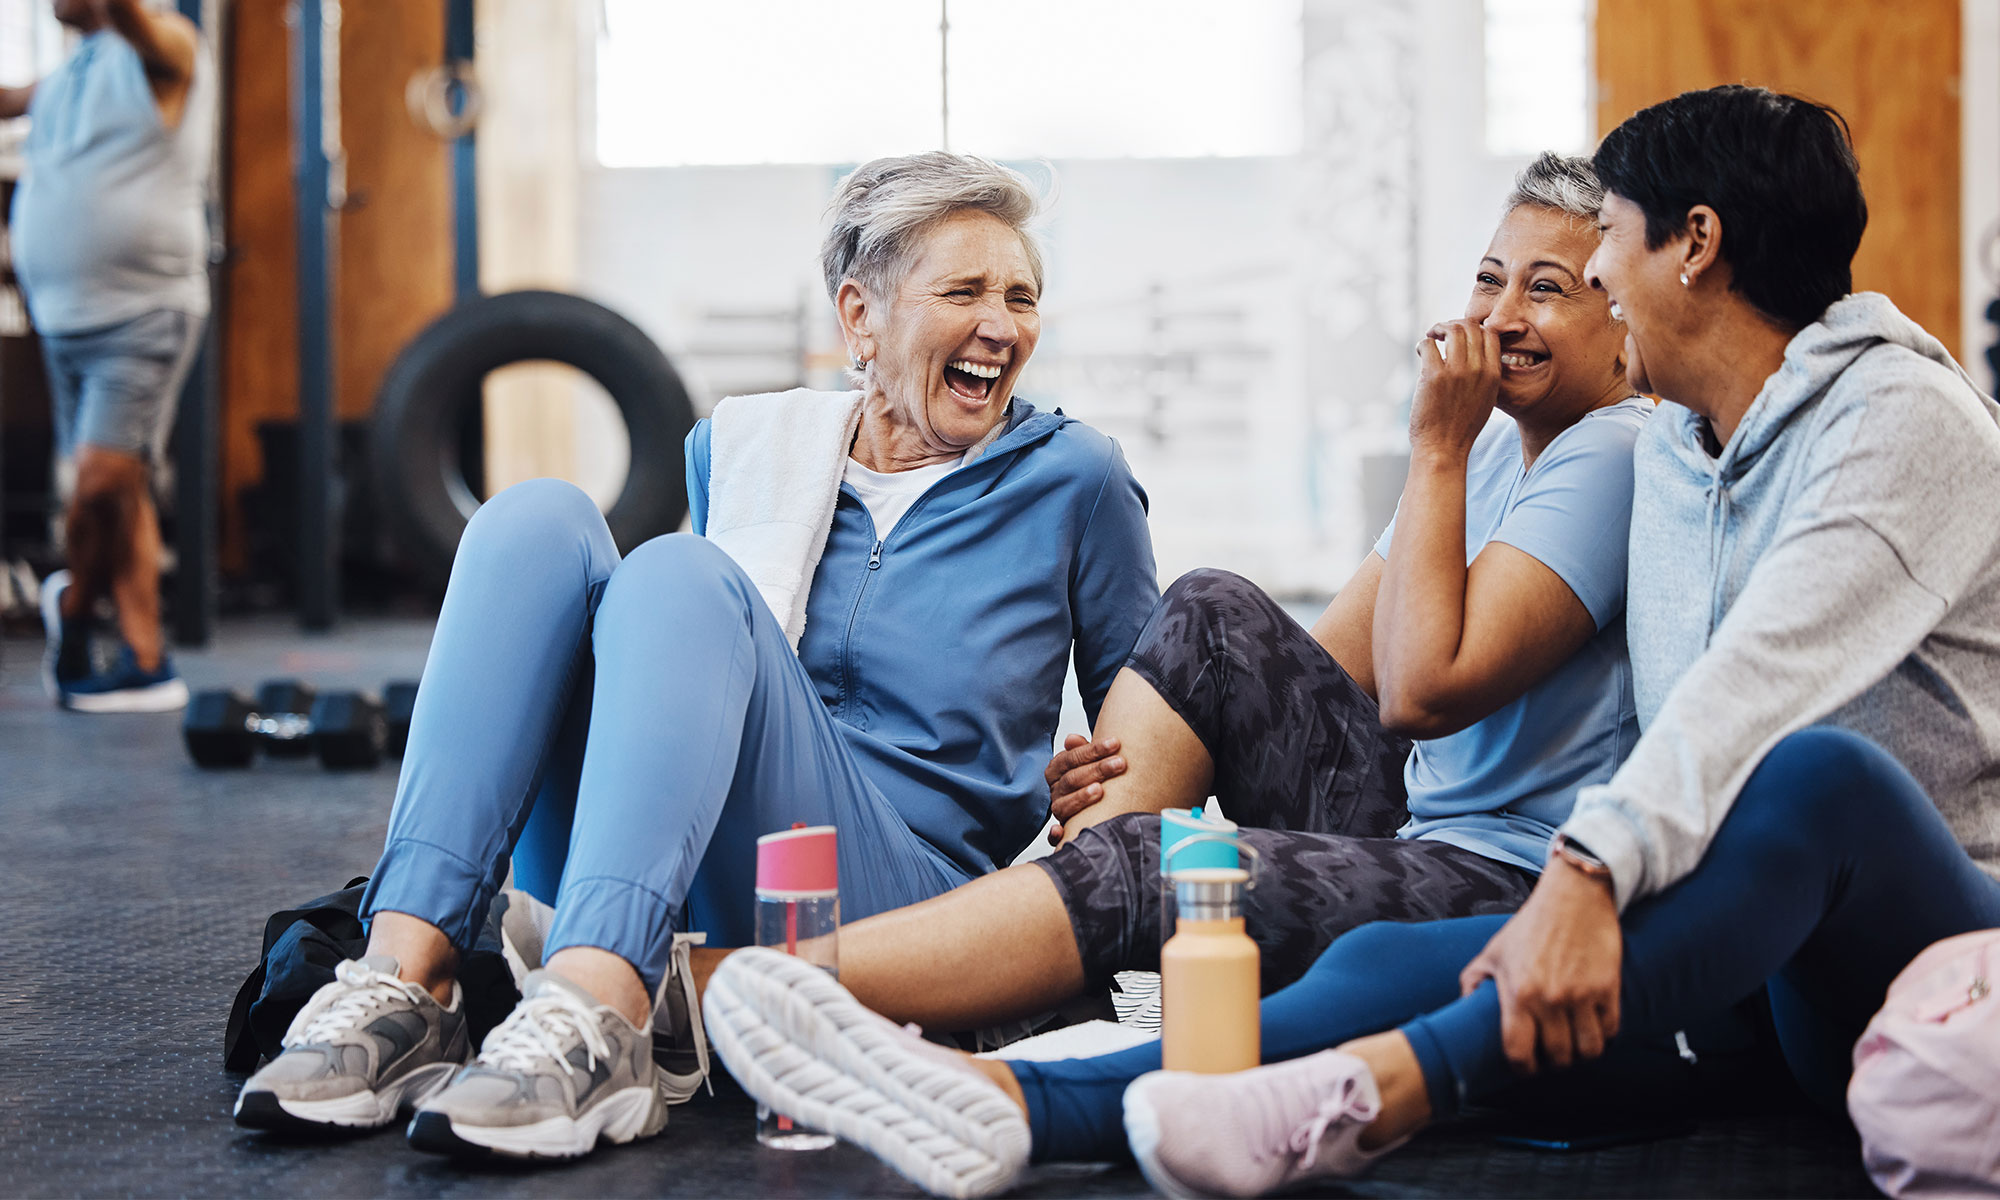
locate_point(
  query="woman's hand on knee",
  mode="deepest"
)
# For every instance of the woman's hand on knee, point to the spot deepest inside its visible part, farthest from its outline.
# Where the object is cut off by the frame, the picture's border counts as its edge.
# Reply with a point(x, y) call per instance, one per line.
point(1077, 775)
point(1558, 966)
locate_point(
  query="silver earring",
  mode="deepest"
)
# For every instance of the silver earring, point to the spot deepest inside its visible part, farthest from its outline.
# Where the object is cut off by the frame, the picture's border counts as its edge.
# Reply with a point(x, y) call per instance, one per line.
point(1684, 278)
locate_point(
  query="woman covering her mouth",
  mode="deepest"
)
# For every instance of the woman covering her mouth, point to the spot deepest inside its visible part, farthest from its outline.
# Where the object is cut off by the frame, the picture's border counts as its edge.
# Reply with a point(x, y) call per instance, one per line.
point(934, 549)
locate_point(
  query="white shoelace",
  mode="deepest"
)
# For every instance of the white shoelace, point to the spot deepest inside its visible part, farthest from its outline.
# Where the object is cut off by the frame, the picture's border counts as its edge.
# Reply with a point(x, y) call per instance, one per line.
point(335, 1012)
point(530, 1036)
point(681, 969)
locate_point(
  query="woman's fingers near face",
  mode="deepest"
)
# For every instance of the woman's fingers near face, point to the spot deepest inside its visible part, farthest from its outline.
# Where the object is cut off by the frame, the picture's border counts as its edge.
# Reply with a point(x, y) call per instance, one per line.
point(1456, 344)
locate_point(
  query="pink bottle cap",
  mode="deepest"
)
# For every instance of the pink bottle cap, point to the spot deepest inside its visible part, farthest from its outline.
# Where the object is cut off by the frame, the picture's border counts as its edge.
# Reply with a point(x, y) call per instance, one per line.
point(798, 864)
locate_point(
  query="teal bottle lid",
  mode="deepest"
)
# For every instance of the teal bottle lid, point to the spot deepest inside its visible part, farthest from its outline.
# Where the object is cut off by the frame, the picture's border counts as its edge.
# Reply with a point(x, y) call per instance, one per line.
point(1217, 849)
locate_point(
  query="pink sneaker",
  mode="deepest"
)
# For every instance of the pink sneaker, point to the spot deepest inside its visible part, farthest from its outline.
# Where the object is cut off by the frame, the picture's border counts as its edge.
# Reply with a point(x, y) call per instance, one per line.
point(1254, 1131)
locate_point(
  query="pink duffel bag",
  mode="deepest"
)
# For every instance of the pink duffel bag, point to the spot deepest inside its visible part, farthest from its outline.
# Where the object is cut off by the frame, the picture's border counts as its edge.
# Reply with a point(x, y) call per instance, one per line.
point(1926, 1088)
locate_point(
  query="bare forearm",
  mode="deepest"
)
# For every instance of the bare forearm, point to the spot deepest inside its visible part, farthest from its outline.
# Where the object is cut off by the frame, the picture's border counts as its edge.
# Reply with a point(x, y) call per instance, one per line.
point(165, 42)
point(14, 101)
point(1420, 607)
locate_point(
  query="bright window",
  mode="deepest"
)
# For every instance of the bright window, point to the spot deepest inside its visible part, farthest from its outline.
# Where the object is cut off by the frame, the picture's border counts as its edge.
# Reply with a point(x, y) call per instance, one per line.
point(684, 82)
point(1537, 76)
point(31, 42)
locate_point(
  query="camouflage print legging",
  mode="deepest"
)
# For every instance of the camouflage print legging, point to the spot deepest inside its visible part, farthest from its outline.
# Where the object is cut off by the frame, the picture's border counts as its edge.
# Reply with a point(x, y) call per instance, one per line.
point(1303, 764)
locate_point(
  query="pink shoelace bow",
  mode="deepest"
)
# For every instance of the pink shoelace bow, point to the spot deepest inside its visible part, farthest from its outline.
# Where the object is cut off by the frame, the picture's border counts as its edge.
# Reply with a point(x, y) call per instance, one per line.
point(1344, 1101)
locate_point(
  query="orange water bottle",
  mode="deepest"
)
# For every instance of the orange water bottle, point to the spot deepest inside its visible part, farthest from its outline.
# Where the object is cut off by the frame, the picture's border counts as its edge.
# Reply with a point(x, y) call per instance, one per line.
point(1209, 976)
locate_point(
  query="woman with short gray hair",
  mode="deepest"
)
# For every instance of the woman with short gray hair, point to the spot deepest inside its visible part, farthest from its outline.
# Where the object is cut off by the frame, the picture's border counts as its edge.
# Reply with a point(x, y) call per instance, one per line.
point(868, 628)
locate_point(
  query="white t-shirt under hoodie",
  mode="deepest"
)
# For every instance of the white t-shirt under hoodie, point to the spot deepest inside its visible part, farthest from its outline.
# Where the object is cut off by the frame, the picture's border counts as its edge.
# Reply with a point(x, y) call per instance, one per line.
point(888, 496)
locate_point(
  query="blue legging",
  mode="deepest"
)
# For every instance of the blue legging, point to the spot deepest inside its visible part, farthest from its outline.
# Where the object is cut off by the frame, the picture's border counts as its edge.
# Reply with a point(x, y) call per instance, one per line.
point(1832, 870)
point(625, 730)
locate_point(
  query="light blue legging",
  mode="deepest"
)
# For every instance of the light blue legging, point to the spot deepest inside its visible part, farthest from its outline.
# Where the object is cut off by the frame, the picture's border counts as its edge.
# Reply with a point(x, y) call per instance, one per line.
point(625, 730)
point(1832, 870)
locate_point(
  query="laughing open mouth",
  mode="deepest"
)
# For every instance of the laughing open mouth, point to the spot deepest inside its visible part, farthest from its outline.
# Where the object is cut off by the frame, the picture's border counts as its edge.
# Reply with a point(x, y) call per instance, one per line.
point(970, 380)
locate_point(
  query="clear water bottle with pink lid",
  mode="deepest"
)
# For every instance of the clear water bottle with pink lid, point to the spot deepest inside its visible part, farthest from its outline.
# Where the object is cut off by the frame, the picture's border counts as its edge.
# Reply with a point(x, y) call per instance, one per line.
point(798, 911)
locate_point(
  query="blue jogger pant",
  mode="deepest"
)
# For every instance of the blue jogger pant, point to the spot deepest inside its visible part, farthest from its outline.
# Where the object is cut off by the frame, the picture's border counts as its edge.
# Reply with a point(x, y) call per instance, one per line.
point(625, 731)
point(1831, 872)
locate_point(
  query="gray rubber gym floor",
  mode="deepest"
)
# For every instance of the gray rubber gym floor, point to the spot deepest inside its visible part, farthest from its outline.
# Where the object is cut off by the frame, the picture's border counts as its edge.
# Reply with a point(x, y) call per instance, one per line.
point(133, 889)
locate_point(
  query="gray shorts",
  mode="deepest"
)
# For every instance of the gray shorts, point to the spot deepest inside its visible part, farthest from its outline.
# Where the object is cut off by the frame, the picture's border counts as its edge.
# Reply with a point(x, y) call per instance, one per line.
point(116, 388)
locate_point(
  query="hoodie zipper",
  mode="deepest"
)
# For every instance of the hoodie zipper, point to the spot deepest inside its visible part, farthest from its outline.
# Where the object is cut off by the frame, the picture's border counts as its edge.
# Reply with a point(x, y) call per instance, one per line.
point(1717, 510)
point(875, 564)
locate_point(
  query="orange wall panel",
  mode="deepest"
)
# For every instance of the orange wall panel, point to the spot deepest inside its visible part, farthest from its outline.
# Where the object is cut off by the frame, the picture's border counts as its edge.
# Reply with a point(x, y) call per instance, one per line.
point(1890, 66)
point(392, 249)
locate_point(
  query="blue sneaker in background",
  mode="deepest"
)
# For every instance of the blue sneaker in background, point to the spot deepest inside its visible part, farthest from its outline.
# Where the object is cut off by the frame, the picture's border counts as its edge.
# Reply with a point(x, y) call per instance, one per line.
point(66, 659)
point(125, 688)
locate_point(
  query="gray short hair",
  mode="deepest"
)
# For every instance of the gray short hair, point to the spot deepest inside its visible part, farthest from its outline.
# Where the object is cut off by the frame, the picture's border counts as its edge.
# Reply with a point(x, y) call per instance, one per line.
point(1564, 182)
point(880, 211)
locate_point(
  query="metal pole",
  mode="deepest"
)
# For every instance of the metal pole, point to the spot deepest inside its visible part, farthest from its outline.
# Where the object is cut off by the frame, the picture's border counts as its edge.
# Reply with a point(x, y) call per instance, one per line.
point(458, 49)
point(316, 186)
point(197, 444)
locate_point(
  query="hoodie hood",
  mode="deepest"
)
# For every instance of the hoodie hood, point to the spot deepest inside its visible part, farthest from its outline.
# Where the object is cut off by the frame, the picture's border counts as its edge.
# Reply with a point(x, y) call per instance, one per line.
point(1850, 327)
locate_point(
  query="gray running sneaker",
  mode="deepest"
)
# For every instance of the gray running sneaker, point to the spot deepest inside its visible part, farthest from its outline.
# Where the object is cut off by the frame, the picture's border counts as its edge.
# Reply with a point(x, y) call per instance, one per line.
point(363, 1048)
point(555, 1076)
point(680, 1045)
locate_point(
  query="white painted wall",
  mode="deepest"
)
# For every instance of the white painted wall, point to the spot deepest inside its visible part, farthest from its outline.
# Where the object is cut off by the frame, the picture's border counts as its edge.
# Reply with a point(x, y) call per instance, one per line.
point(1175, 318)
point(1215, 383)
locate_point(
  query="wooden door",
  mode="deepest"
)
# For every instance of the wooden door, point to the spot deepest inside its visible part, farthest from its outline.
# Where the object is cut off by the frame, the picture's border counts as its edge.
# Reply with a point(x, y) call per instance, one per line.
point(1890, 66)
point(393, 257)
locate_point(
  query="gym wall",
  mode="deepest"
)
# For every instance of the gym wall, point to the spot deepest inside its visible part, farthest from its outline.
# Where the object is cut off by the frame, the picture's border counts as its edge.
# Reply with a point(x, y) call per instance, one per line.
point(1892, 68)
point(393, 247)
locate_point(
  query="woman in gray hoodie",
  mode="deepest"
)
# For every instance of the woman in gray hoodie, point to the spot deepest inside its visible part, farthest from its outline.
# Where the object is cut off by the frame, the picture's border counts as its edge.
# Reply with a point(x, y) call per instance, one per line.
point(1814, 623)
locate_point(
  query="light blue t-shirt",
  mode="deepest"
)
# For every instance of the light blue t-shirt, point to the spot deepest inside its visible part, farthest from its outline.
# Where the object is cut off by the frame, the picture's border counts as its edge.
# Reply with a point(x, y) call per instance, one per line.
point(110, 220)
point(1501, 786)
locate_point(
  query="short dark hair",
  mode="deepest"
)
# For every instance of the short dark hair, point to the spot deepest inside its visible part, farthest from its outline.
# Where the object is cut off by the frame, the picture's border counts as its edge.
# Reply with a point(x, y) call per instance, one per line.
point(1779, 170)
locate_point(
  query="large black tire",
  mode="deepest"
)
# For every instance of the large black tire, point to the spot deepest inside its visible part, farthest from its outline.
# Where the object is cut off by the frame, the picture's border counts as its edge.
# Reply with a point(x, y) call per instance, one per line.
point(429, 396)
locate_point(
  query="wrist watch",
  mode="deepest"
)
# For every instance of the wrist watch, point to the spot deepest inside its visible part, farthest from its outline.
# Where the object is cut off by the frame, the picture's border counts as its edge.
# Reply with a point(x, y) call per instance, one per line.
point(1574, 853)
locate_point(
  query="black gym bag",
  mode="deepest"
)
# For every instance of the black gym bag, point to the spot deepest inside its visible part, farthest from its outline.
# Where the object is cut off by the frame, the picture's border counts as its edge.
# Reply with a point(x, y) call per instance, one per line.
point(302, 946)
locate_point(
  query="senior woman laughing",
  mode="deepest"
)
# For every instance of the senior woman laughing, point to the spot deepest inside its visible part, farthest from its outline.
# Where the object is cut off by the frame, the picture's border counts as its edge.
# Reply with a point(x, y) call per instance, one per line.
point(627, 729)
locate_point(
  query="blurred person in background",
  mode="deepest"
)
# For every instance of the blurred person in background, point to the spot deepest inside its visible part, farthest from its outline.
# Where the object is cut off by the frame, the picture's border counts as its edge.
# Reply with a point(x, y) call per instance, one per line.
point(110, 243)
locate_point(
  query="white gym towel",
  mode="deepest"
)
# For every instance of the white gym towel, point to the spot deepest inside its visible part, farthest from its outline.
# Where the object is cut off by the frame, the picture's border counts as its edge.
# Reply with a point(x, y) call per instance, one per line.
point(775, 462)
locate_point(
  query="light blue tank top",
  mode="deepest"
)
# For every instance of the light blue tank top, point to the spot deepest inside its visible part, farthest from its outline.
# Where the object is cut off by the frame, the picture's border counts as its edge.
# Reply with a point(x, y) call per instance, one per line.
point(110, 220)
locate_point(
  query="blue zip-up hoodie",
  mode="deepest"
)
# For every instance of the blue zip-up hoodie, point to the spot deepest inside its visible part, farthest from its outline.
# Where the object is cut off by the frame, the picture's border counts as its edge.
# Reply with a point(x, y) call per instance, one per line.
point(942, 649)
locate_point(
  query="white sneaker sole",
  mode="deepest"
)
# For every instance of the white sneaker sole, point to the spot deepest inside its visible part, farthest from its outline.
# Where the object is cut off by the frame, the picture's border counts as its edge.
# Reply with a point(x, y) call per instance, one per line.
point(52, 630)
point(798, 1042)
point(1142, 1133)
point(166, 696)
point(624, 1115)
point(364, 1110)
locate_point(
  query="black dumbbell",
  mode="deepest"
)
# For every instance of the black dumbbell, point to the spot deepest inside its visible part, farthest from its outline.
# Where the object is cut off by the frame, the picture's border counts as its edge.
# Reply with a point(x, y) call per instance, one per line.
point(284, 725)
point(399, 700)
point(218, 729)
point(224, 729)
point(348, 730)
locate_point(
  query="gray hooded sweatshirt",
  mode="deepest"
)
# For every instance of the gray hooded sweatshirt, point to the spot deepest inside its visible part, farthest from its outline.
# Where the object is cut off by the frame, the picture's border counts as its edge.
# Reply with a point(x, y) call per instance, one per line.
point(1838, 563)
